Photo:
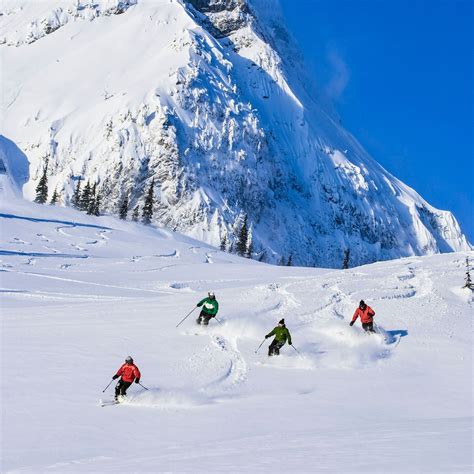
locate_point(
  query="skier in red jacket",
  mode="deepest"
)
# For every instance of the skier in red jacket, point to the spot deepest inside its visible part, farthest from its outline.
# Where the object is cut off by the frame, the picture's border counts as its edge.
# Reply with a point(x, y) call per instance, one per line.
point(366, 314)
point(129, 372)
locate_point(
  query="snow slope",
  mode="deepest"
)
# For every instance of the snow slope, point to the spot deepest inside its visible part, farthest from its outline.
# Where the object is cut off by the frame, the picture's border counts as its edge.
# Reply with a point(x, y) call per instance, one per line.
point(81, 293)
point(210, 99)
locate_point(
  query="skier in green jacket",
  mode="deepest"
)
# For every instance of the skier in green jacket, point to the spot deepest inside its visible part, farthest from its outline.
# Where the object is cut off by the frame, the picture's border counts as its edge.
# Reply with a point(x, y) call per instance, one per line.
point(210, 306)
point(282, 335)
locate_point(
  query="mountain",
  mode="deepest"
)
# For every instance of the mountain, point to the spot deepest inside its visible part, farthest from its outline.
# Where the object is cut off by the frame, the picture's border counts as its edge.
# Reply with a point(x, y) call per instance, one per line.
point(210, 99)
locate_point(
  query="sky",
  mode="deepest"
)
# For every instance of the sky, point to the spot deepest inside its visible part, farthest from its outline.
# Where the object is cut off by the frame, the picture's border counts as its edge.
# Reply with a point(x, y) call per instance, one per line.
point(400, 75)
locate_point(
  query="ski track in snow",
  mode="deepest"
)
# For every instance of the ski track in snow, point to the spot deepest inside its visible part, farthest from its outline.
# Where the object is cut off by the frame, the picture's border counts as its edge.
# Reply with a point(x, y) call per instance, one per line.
point(238, 368)
point(88, 283)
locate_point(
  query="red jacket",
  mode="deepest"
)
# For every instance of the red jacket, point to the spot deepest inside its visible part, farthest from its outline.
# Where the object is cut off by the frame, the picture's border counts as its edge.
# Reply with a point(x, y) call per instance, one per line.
point(366, 315)
point(129, 372)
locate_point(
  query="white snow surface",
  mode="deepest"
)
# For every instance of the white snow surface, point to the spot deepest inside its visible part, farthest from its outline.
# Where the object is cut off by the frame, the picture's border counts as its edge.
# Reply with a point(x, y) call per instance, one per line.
point(122, 92)
point(79, 294)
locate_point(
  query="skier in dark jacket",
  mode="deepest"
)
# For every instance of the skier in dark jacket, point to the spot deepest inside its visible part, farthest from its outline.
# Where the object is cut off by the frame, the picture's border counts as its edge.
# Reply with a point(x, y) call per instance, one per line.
point(210, 306)
point(282, 335)
point(128, 373)
point(366, 314)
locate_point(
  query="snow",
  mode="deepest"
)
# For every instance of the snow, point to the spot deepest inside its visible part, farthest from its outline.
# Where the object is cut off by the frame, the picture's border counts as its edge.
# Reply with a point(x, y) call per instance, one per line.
point(79, 294)
point(124, 92)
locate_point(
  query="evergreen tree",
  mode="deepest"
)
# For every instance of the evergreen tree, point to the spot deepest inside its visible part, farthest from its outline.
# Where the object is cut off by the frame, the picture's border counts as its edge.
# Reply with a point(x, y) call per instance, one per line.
point(249, 249)
point(95, 206)
point(147, 213)
point(469, 283)
point(136, 214)
point(224, 242)
point(76, 197)
point(42, 188)
point(289, 263)
point(241, 246)
point(281, 262)
point(85, 200)
point(345, 262)
point(91, 208)
point(123, 210)
point(55, 197)
point(263, 256)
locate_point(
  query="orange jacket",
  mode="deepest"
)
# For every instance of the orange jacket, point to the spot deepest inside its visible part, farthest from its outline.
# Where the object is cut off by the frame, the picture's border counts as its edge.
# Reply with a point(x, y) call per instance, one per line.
point(366, 316)
point(129, 372)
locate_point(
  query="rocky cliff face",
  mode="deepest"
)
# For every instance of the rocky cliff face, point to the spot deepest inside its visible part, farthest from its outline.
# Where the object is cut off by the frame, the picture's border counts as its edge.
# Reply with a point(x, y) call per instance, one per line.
point(223, 17)
point(206, 98)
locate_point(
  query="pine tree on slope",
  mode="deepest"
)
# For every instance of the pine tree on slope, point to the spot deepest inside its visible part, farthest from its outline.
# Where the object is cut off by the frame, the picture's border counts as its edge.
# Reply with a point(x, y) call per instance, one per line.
point(249, 249)
point(55, 197)
point(147, 213)
point(91, 207)
point(241, 246)
point(95, 209)
point(123, 210)
point(223, 246)
point(42, 188)
point(345, 262)
point(136, 214)
point(85, 200)
point(76, 197)
point(469, 283)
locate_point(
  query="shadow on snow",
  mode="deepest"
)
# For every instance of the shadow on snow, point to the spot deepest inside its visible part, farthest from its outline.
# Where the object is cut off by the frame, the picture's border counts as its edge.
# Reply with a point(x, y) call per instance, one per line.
point(35, 219)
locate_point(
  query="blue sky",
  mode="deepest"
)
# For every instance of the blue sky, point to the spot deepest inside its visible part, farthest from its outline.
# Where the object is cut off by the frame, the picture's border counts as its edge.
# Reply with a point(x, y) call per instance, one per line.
point(401, 76)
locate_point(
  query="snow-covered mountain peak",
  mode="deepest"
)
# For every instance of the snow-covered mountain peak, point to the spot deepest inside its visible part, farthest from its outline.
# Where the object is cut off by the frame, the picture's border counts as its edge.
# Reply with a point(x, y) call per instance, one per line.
point(206, 99)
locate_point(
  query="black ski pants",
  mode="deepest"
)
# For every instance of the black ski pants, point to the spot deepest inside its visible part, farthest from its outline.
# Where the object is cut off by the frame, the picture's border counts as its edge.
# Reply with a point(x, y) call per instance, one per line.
point(204, 318)
point(275, 346)
point(368, 327)
point(121, 388)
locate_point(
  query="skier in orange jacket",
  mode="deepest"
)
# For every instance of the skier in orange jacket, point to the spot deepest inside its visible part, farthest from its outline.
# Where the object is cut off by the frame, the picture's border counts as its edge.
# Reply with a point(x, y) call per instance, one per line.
point(366, 314)
point(128, 373)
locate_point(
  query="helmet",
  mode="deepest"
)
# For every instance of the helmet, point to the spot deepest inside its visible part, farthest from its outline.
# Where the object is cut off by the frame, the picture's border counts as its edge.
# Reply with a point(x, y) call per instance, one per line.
point(129, 359)
point(211, 294)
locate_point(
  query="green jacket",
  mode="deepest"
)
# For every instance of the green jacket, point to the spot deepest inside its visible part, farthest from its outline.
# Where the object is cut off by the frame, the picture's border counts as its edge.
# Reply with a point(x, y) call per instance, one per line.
point(281, 334)
point(209, 306)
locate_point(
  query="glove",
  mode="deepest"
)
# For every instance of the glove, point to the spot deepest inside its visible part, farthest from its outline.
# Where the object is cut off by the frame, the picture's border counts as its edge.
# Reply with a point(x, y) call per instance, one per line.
point(290, 343)
point(351, 323)
point(115, 377)
point(137, 380)
point(266, 337)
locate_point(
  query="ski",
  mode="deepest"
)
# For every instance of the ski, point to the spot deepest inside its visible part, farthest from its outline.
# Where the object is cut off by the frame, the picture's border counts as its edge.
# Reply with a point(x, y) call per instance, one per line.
point(108, 403)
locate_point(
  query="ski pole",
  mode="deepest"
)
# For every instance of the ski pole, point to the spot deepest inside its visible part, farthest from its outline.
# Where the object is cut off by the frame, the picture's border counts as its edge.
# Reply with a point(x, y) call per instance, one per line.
point(142, 386)
point(217, 320)
point(186, 316)
point(295, 349)
point(107, 386)
point(260, 346)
